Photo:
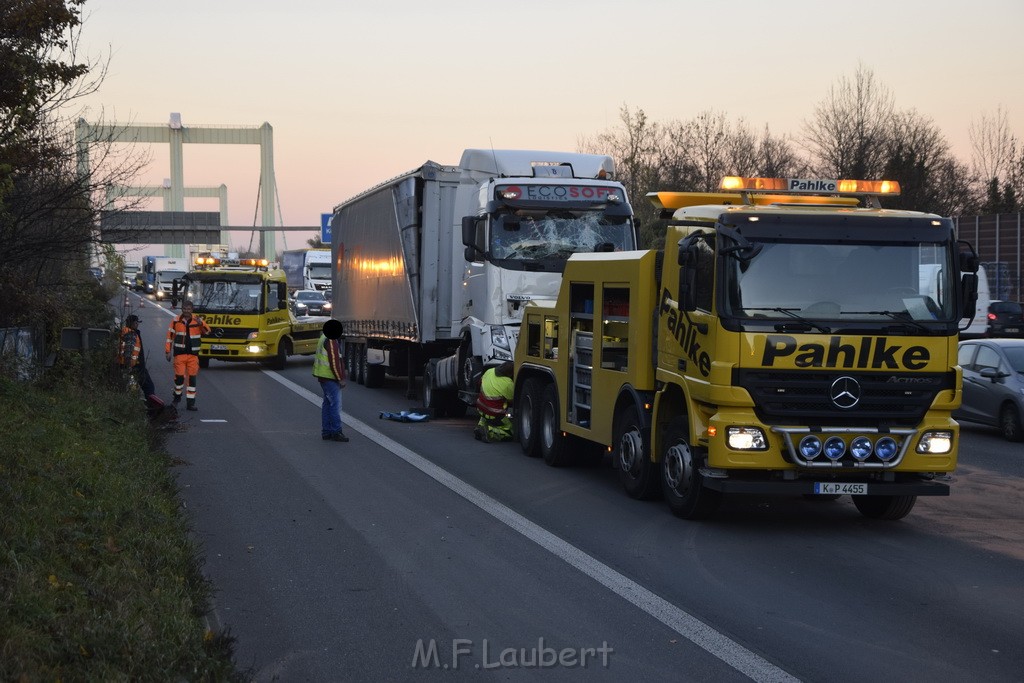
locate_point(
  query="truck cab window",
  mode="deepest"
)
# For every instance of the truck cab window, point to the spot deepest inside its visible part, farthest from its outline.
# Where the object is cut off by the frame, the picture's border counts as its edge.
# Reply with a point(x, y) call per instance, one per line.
point(273, 296)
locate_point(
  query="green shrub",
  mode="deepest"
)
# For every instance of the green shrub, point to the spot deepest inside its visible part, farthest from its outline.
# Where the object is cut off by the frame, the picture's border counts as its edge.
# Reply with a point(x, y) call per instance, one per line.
point(98, 578)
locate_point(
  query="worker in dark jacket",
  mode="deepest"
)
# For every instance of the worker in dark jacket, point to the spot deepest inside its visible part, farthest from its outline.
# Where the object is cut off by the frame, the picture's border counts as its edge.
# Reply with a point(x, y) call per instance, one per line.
point(329, 370)
point(496, 391)
point(132, 357)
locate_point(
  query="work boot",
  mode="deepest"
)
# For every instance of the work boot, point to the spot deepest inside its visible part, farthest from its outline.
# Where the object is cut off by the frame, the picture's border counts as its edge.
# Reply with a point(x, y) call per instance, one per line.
point(176, 400)
point(339, 437)
point(191, 406)
point(478, 433)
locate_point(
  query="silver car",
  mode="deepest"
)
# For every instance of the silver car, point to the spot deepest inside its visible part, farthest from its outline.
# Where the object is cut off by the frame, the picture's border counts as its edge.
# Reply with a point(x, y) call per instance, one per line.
point(310, 302)
point(993, 384)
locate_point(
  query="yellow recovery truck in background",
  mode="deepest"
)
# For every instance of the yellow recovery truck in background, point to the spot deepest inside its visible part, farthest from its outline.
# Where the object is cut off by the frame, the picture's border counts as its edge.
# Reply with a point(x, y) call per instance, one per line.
point(786, 345)
point(245, 303)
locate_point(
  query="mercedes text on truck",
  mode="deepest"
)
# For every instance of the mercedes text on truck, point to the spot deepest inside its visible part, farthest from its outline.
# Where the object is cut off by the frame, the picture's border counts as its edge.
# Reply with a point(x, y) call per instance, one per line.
point(434, 267)
point(781, 344)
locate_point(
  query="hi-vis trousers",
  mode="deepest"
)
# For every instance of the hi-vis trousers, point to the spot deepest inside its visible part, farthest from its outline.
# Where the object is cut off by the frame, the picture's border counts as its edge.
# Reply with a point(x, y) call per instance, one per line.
point(186, 367)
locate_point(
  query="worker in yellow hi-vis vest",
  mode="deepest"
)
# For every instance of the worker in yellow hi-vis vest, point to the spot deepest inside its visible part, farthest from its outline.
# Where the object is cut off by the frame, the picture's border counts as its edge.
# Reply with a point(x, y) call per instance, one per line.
point(496, 391)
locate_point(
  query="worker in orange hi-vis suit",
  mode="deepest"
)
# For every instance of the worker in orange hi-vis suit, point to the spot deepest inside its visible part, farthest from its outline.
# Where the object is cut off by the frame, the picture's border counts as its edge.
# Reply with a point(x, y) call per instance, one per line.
point(183, 337)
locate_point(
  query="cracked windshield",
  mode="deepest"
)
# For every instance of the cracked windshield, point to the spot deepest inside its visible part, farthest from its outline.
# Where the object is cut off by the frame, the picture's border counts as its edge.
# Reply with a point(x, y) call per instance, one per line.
point(532, 235)
point(219, 296)
point(842, 281)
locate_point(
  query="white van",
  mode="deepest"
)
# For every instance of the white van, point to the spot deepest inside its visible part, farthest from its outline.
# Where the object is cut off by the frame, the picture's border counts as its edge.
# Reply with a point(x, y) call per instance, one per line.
point(979, 324)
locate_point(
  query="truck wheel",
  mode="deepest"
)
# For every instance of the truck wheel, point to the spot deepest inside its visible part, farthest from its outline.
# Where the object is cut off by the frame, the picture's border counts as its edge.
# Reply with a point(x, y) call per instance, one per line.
point(471, 368)
point(681, 480)
point(1010, 424)
point(884, 507)
point(553, 443)
point(204, 361)
point(281, 359)
point(348, 358)
point(639, 476)
point(433, 398)
point(527, 417)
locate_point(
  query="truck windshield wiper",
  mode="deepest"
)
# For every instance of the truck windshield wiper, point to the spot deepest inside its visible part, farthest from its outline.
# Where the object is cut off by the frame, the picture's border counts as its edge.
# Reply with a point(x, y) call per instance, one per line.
point(789, 311)
point(901, 316)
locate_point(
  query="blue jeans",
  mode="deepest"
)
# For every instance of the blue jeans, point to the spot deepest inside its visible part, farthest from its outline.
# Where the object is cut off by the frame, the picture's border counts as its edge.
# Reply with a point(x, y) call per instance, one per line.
point(330, 409)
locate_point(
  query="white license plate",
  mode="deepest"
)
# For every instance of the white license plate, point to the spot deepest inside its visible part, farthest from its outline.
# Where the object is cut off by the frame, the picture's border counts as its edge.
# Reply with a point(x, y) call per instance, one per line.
point(218, 347)
point(840, 488)
point(1012, 330)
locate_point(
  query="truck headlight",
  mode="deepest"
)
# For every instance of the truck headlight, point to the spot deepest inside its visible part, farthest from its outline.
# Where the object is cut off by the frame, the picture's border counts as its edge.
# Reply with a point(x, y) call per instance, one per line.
point(746, 439)
point(935, 443)
point(498, 337)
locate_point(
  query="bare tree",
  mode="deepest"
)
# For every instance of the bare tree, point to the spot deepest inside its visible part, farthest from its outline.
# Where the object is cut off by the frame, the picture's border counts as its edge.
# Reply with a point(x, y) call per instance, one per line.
point(917, 155)
point(993, 145)
point(848, 133)
point(702, 146)
point(997, 161)
point(48, 201)
point(635, 146)
point(777, 157)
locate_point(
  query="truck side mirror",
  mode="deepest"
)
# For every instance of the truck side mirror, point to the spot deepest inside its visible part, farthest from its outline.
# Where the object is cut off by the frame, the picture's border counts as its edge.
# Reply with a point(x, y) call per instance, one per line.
point(969, 294)
point(687, 259)
point(469, 224)
point(177, 292)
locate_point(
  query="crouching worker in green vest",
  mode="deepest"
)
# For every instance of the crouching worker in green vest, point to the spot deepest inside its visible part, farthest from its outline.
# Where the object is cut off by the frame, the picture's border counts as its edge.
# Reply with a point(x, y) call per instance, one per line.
point(496, 390)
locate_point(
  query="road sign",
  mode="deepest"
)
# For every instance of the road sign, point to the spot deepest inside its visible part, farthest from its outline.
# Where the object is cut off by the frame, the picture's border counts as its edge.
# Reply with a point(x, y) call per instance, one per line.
point(325, 227)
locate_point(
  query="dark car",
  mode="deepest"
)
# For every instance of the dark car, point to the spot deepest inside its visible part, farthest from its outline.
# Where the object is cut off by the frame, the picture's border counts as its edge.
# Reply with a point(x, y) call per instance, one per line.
point(310, 302)
point(1005, 319)
point(993, 384)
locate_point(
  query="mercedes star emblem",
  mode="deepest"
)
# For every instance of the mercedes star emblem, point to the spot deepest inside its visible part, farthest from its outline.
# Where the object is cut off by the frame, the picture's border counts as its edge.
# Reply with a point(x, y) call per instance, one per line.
point(845, 393)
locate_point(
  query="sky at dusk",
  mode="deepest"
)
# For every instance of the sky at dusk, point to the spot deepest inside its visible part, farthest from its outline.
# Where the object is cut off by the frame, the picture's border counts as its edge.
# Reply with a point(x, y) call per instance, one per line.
point(358, 93)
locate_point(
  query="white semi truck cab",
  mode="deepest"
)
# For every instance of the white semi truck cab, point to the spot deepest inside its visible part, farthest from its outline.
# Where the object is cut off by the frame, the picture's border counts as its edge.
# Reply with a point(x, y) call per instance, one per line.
point(434, 267)
point(524, 218)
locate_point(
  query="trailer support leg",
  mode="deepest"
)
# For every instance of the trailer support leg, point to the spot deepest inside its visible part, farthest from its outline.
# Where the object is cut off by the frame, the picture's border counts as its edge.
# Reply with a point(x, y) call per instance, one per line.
point(413, 366)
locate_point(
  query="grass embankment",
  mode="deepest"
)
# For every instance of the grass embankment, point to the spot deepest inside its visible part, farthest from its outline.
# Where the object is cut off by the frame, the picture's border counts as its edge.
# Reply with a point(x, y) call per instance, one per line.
point(98, 578)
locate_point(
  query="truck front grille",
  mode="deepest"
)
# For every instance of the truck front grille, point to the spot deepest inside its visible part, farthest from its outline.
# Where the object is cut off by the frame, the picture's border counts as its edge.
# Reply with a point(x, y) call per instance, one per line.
point(222, 334)
point(786, 397)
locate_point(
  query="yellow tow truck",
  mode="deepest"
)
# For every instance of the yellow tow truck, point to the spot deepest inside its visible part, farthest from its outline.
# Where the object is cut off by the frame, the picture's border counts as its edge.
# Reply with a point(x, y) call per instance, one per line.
point(794, 338)
point(245, 303)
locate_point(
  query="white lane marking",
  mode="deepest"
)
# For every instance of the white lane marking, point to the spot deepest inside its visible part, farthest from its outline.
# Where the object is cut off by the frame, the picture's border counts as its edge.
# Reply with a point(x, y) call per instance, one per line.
point(683, 623)
point(213, 420)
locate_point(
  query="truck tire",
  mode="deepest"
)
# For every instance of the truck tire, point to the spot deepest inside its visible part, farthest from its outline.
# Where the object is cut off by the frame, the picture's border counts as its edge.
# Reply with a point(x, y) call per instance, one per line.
point(527, 416)
point(553, 442)
point(433, 399)
point(884, 507)
point(1010, 423)
point(204, 361)
point(681, 481)
point(280, 360)
point(631, 443)
point(349, 360)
